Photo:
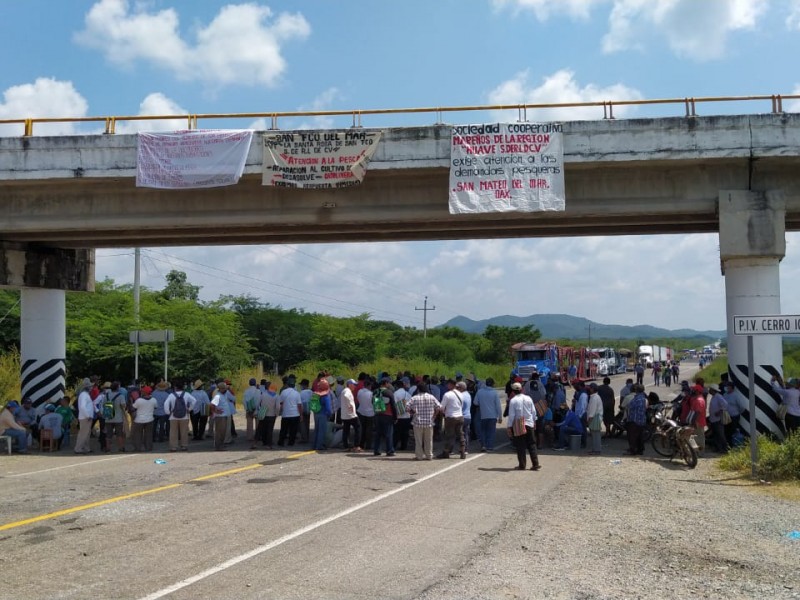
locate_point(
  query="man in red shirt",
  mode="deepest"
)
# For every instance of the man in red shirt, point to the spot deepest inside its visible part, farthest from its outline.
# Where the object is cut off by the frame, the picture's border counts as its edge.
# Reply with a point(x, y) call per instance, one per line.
point(694, 413)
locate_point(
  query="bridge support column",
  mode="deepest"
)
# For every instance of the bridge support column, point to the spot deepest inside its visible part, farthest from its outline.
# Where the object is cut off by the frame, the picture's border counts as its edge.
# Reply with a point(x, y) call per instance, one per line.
point(44, 344)
point(752, 243)
point(44, 274)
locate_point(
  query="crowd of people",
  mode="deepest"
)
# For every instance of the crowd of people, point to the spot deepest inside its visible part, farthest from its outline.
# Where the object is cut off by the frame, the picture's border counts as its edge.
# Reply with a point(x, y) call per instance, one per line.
point(384, 414)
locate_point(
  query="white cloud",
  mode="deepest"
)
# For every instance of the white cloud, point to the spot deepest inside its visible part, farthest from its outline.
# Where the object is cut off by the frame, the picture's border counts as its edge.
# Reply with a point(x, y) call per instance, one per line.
point(242, 44)
point(156, 104)
point(793, 20)
point(695, 30)
point(45, 97)
point(561, 87)
point(544, 9)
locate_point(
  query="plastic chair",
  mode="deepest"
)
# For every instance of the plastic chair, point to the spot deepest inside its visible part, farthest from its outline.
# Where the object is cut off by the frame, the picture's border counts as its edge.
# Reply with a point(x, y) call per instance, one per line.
point(46, 441)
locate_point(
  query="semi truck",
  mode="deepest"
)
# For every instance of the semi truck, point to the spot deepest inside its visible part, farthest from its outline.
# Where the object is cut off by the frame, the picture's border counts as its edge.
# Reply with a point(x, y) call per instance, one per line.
point(648, 354)
point(546, 357)
point(608, 361)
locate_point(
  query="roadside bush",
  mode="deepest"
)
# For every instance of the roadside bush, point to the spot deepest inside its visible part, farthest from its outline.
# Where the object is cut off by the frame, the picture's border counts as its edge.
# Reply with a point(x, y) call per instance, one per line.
point(776, 461)
point(9, 376)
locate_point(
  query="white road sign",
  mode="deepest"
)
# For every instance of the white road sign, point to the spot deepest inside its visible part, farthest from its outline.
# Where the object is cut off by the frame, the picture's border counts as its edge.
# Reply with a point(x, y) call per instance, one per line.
point(766, 325)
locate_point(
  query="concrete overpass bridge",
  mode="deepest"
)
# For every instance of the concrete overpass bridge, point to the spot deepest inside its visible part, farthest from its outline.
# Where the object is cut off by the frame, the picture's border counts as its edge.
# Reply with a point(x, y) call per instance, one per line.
point(62, 197)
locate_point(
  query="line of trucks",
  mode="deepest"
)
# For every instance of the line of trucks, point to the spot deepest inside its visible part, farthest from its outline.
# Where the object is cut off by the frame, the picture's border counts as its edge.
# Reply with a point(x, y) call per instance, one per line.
point(582, 363)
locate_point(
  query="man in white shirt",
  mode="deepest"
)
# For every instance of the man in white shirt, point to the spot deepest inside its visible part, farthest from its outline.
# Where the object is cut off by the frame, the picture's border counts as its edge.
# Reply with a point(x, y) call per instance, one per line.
point(220, 408)
point(349, 417)
point(178, 405)
point(86, 413)
point(366, 414)
point(453, 420)
point(521, 407)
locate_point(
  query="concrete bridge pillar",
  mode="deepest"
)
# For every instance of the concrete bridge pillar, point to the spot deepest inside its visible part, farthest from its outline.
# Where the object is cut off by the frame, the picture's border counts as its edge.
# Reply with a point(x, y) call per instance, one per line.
point(44, 344)
point(752, 243)
point(44, 274)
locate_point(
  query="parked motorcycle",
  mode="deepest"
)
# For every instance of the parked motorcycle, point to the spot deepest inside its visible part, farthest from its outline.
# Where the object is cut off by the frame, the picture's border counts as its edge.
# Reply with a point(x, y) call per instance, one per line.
point(671, 439)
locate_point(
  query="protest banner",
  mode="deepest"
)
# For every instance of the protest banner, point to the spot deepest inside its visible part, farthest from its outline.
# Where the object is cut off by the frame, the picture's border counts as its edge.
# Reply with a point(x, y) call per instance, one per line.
point(506, 167)
point(194, 158)
point(318, 159)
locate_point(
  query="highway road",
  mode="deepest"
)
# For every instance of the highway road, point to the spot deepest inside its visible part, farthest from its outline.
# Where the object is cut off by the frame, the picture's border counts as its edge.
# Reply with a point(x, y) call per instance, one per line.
point(247, 523)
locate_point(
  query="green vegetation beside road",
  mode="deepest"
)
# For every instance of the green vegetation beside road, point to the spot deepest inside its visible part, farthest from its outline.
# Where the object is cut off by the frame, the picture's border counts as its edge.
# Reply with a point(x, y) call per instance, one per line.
point(776, 461)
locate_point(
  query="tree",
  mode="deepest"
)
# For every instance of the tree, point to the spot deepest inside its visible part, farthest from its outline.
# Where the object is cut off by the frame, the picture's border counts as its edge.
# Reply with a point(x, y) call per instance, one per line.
point(348, 340)
point(179, 288)
point(501, 338)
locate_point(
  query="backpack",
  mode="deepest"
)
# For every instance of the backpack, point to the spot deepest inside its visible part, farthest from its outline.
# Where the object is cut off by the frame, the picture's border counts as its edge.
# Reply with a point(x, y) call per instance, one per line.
point(108, 409)
point(378, 401)
point(315, 403)
point(179, 410)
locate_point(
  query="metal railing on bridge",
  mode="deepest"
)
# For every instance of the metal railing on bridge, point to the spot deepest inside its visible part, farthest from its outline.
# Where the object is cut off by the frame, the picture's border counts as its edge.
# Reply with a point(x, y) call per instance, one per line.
point(689, 104)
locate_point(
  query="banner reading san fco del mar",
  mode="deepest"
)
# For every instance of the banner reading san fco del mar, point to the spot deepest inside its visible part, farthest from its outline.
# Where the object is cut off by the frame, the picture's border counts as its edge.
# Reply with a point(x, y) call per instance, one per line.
point(506, 167)
point(197, 158)
point(318, 159)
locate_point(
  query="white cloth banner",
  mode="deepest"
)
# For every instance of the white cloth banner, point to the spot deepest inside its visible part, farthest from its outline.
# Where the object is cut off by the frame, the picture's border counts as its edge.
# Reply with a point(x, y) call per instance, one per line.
point(506, 167)
point(318, 159)
point(197, 158)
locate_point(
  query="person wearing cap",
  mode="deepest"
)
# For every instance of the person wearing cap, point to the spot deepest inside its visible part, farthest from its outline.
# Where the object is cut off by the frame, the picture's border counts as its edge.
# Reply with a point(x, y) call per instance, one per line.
point(453, 420)
point(51, 420)
point(323, 415)
point(385, 416)
point(716, 407)
point(790, 397)
point(26, 416)
point(178, 406)
point(490, 411)
point(114, 425)
point(521, 407)
point(199, 416)
point(403, 424)
point(693, 414)
point(594, 417)
point(10, 427)
point(142, 427)
point(251, 399)
point(349, 416)
point(86, 413)
point(220, 408)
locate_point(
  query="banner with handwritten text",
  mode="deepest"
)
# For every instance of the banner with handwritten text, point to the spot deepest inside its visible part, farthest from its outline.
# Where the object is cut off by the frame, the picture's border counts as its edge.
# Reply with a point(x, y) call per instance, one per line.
point(318, 159)
point(197, 158)
point(506, 167)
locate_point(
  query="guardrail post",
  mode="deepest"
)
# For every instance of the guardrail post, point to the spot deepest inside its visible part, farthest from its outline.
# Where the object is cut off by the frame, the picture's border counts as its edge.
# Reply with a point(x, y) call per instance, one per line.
point(609, 113)
point(192, 121)
point(274, 124)
point(522, 114)
point(111, 125)
point(357, 113)
point(28, 128)
point(780, 104)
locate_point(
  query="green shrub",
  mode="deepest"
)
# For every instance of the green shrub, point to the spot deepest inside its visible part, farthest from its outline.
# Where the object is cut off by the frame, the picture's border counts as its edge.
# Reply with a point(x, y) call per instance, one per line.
point(9, 376)
point(776, 461)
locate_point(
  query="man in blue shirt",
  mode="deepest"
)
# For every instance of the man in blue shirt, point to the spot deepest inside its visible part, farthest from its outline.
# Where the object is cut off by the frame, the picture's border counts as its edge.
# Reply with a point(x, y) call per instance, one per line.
point(491, 414)
point(637, 417)
point(571, 425)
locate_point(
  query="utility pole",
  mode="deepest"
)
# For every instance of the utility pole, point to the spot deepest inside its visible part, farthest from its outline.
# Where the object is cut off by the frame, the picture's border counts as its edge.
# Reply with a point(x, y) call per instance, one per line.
point(425, 310)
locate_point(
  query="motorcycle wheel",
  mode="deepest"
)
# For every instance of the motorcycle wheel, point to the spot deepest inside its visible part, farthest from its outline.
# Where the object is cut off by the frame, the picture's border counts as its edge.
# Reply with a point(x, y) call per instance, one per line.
point(658, 440)
point(647, 435)
point(616, 430)
point(690, 456)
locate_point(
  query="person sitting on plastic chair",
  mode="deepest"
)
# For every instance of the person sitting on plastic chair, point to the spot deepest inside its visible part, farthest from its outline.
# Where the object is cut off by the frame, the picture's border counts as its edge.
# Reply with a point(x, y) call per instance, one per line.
point(51, 421)
point(10, 427)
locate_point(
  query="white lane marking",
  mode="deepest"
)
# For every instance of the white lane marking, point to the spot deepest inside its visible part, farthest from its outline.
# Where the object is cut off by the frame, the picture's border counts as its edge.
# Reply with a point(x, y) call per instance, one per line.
point(79, 464)
point(295, 534)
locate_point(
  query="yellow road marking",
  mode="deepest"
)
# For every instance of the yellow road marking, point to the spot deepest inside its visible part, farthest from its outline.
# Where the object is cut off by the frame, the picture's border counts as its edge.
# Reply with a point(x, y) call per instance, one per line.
point(171, 486)
point(74, 509)
point(229, 472)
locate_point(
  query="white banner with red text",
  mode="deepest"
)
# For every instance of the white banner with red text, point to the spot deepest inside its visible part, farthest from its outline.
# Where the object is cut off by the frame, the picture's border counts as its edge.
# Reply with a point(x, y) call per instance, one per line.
point(197, 158)
point(318, 159)
point(506, 167)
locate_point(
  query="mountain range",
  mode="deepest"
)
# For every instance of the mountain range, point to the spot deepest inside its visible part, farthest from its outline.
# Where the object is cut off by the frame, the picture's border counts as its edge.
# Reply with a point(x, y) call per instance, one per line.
point(569, 326)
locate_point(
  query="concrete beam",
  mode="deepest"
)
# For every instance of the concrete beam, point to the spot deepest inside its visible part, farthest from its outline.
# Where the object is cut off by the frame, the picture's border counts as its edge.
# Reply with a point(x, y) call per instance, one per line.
point(34, 266)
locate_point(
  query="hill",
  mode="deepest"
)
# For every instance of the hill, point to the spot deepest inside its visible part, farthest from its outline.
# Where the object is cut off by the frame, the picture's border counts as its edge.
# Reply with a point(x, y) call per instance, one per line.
point(569, 326)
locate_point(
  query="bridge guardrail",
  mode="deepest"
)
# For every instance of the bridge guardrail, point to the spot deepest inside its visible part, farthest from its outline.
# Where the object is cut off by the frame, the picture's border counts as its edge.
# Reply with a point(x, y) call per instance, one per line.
point(192, 119)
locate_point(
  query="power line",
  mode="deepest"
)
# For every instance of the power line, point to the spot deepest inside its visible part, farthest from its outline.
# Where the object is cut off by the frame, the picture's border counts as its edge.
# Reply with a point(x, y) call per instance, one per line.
point(284, 294)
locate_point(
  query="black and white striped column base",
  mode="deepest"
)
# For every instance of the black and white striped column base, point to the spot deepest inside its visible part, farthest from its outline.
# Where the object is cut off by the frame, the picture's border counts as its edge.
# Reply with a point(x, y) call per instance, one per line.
point(767, 400)
point(43, 380)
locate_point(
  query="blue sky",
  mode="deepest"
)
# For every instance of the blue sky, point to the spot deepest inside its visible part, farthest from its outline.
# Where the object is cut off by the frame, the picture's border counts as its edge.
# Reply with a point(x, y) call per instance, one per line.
point(117, 57)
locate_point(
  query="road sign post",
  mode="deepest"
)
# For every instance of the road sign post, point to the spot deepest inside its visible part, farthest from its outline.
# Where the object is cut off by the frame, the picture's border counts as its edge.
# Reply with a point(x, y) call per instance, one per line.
point(156, 336)
point(751, 325)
